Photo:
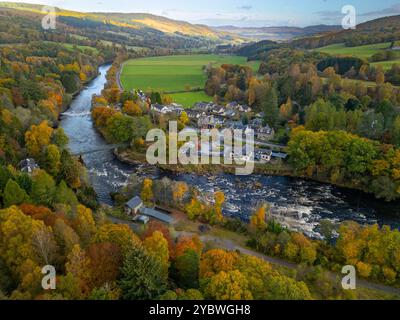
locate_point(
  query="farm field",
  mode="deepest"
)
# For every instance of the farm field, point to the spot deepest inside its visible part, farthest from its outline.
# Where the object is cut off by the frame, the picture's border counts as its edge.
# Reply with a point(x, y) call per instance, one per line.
point(179, 73)
point(363, 52)
point(188, 99)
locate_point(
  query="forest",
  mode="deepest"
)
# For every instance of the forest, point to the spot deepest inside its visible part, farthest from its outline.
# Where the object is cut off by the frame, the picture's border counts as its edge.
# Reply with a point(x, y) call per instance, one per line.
point(340, 123)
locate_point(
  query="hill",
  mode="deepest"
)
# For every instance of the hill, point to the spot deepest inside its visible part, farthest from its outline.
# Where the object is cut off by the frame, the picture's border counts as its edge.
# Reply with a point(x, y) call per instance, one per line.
point(134, 29)
point(276, 33)
point(376, 31)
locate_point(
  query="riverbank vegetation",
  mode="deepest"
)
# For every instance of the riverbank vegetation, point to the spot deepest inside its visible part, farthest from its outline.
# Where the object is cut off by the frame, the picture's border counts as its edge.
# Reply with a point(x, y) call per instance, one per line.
point(372, 250)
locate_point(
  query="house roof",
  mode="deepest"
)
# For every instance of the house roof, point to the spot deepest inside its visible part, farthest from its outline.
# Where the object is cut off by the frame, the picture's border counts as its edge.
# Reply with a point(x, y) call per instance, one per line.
point(280, 155)
point(28, 165)
point(134, 202)
point(157, 215)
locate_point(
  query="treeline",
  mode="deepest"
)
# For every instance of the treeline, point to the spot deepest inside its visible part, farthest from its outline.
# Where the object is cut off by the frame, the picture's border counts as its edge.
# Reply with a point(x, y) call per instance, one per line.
point(372, 250)
point(376, 31)
point(310, 280)
point(256, 51)
point(19, 26)
point(35, 85)
point(124, 116)
point(346, 159)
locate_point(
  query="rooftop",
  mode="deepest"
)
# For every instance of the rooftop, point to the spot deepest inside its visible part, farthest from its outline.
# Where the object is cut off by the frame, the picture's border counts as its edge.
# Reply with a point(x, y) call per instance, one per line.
point(134, 202)
point(157, 215)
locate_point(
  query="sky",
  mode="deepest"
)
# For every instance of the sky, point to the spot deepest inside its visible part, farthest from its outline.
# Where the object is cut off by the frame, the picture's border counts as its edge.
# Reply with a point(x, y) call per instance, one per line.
point(242, 13)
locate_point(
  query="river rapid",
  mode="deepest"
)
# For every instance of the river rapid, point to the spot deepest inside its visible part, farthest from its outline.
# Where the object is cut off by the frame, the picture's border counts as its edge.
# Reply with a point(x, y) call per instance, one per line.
point(297, 203)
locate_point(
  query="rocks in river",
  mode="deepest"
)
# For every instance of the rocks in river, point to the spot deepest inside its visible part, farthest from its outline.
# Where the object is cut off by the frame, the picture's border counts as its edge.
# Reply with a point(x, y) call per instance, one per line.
point(258, 185)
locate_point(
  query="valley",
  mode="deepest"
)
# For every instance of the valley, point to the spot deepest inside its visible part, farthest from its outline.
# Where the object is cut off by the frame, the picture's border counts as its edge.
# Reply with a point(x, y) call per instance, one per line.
point(94, 187)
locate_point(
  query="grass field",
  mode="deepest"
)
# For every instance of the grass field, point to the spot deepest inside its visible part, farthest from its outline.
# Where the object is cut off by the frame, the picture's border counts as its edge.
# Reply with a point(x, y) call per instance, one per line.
point(175, 73)
point(363, 52)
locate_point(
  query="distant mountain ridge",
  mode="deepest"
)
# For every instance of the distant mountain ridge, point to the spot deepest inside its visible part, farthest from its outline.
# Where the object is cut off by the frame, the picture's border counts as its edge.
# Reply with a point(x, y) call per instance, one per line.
point(135, 21)
point(384, 29)
point(283, 33)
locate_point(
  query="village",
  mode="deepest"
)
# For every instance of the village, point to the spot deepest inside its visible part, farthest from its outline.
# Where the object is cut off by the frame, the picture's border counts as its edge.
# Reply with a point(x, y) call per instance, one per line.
point(233, 116)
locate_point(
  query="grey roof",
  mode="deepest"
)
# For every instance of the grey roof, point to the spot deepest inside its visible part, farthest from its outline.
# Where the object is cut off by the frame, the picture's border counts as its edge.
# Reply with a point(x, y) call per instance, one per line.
point(134, 202)
point(28, 165)
point(156, 214)
point(280, 155)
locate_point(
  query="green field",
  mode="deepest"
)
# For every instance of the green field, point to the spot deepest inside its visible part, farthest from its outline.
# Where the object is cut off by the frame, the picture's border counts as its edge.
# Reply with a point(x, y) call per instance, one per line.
point(175, 73)
point(188, 99)
point(363, 52)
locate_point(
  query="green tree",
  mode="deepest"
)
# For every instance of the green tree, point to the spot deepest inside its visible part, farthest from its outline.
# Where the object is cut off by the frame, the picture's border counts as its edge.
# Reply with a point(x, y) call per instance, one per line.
point(187, 269)
point(120, 128)
point(14, 195)
point(270, 107)
point(142, 276)
point(396, 131)
point(65, 195)
point(59, 138)
point(52, 159)
point(43, 188)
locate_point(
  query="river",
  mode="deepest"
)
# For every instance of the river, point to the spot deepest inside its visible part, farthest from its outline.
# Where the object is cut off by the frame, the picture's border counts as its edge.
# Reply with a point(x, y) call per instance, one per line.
point(297, 203)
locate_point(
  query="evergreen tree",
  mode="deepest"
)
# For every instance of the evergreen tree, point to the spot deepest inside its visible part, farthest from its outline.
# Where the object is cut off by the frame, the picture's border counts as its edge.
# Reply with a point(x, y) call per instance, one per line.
point(270, 107)
point(187, 268)
point(142, 276)
point(13, 194)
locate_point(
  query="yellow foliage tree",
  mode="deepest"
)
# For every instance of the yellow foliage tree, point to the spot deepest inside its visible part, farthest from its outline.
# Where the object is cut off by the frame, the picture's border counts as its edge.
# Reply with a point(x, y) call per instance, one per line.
point(157, 246)
point(147, 190)
point(38, 137)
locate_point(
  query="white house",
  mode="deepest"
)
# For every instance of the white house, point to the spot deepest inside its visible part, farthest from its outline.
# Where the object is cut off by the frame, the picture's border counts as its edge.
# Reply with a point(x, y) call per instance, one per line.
point(133, 206)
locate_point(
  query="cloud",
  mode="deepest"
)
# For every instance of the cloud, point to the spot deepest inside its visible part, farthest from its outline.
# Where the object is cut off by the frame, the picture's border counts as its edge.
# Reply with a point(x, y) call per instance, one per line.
point(245, 7)
point(393, 10)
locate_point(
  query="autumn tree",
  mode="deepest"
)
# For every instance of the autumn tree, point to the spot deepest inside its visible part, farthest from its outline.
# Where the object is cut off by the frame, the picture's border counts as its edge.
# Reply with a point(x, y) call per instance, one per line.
point(52, 159)
point(216, 260)
point(85, 225)
point(132, 108)
point(38, 137)
point(185, 243)
point(157, 246)
point(258, 219)
point(147, 190)
point(78, 265)
point(230, 285)
point(183, 118)
point(105, 262)
point(118, 234)
point(300, 249)
point(179, 191)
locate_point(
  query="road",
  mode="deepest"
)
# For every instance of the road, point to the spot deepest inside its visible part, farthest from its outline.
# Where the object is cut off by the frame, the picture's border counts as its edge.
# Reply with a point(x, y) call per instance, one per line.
point(232, 246)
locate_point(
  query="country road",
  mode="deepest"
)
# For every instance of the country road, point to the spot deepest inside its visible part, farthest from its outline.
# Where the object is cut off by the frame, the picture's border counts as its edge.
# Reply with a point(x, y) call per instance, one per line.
point(232, 246)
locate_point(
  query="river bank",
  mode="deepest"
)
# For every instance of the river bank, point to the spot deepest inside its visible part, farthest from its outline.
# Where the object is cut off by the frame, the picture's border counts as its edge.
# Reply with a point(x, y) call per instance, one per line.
point(298, 203)
point(279, 169)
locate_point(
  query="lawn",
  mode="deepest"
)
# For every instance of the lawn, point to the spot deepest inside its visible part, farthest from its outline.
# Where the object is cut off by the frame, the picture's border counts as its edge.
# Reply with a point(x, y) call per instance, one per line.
point(188, 99)
point(363, 52)
point(175, 73)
